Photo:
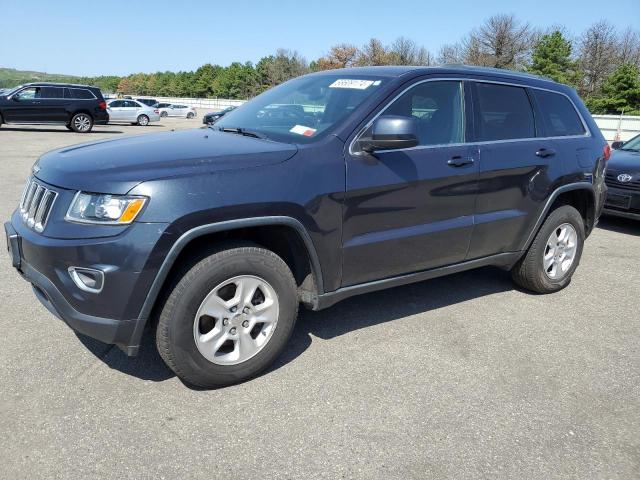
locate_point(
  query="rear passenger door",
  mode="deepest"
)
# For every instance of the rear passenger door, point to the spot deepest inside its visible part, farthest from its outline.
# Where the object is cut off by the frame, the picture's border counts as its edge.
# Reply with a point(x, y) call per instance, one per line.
point(53, 104)
point(517, 167)
point(116, 111)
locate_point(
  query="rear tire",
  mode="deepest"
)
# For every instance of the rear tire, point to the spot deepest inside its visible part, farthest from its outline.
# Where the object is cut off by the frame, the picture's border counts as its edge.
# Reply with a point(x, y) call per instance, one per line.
point(194, 334)
point(143, 120)
point(163, 114)
point(190, 115)
point(554, 254)
point(81, 123)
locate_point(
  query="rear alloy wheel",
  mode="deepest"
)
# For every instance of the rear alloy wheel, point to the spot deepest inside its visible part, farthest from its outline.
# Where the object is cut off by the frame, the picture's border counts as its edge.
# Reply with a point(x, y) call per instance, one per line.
point(81, 123)
point(190, 115)
point(554, 253)
point(229, 317)
point(163, 114)
point(143, 120)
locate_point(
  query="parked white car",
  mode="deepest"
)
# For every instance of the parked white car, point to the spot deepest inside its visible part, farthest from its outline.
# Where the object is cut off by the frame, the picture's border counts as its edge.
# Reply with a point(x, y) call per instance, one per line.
point(176, 110)
point(132, 111)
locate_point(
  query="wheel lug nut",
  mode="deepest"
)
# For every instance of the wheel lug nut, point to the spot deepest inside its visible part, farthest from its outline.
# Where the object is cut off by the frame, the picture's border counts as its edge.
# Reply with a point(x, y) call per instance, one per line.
point(233, 309)
point(245, 324)
point(246, 310)
point(225, 321)
point(233, 331)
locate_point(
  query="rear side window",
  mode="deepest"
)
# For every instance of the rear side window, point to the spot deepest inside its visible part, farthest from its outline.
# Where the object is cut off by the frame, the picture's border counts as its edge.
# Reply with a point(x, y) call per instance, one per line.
point(559, 116)
point(505, 113)
point(51, 92)
point(78, 94)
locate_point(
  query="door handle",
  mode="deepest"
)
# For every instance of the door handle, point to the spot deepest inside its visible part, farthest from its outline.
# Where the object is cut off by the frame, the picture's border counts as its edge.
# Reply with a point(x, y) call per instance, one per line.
point(545, 152)
point(459, 161)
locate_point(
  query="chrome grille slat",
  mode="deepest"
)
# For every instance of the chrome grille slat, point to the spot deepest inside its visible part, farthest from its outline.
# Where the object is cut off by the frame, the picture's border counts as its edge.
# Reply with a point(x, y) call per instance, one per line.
point(36, 204)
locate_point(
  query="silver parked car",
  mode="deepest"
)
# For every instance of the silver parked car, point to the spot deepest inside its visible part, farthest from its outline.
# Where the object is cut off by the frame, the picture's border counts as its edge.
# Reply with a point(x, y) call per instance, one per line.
point(176, 110)
point(131, 111)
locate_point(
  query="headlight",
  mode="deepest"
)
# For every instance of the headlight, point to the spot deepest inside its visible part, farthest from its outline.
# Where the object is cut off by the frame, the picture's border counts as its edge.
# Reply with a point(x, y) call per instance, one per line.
point(105, 209)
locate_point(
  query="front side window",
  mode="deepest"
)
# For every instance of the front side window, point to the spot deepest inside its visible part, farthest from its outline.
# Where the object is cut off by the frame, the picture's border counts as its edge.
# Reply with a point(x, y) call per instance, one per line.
point(304, 109)
point(558, 114)
point(30, 93)
point(116, 104)
point(438, 108)
point(504, 113)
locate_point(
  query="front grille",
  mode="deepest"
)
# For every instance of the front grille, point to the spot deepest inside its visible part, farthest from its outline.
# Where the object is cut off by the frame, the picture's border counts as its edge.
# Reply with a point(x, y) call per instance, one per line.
point(611, 180)
point(35, 205)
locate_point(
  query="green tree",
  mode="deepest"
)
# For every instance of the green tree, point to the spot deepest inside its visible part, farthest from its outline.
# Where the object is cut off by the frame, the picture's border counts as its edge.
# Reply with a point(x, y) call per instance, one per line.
point(552, 57)
point(620, 92)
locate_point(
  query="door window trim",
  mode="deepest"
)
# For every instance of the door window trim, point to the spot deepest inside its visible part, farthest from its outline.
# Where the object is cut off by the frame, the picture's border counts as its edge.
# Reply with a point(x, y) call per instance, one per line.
point(357, 153)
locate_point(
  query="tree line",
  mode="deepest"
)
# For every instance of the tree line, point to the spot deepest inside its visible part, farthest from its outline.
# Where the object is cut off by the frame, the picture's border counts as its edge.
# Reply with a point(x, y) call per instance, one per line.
point(602, 63)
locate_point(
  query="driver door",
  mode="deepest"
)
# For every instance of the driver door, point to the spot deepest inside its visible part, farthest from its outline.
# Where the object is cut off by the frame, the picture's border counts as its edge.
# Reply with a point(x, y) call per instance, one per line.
point(412, 209)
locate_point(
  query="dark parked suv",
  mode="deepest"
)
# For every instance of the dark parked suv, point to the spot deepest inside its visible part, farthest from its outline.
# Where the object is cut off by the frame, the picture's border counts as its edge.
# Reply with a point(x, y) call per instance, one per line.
point(386, 176)
point(79, 107)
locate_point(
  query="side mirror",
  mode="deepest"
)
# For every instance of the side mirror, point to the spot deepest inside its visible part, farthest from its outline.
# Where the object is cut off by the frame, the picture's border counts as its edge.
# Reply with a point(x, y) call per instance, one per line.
point(16, 97)
point(617, 145)
point(391, 132)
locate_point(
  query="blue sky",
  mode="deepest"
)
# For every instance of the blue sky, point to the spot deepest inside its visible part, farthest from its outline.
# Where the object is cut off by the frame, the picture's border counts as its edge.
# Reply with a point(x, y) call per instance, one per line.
point(121, 37)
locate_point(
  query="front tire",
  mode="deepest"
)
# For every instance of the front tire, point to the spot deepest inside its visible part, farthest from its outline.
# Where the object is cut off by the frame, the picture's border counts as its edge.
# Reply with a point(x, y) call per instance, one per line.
point(555, 253)
point(228, 318)
point(143, 120)
point(81, 123)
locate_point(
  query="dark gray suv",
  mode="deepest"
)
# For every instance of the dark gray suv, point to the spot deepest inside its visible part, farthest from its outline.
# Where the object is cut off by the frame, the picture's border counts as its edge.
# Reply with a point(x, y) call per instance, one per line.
point(330, 185)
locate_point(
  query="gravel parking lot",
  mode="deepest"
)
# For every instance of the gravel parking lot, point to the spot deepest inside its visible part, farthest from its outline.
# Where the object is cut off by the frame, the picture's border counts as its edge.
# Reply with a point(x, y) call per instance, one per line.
point(458, 377)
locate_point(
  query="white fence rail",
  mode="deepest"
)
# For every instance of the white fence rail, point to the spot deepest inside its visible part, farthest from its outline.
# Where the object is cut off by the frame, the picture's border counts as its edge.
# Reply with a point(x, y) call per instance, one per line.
point(626, 126)
point(213, 104)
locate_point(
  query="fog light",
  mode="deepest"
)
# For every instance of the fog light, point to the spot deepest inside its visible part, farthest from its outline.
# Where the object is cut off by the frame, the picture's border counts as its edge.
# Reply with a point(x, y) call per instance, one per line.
point(87, 279)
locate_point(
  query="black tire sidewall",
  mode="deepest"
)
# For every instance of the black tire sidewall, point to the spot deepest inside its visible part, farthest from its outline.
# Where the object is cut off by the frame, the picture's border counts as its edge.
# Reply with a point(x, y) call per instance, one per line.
point(192, 291)
point(140, 123)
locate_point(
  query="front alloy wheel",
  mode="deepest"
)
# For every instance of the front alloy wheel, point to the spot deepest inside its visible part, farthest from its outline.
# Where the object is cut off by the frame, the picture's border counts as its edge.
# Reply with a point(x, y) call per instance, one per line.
point(236, 320)
point(228, 317)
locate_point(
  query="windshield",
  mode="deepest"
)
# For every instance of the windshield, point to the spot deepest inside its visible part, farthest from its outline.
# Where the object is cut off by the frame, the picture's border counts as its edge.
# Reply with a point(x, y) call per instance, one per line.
point(301, 110)
point(9, 91)
point(633, 144)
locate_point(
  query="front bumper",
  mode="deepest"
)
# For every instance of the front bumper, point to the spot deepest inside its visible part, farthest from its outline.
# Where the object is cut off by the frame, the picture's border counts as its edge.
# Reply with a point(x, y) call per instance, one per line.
point(622, 203)
point(112, 315)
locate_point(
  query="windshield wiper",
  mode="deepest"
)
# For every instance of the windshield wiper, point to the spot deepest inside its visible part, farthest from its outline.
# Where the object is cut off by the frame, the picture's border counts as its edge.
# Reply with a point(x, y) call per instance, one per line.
point(243, 131)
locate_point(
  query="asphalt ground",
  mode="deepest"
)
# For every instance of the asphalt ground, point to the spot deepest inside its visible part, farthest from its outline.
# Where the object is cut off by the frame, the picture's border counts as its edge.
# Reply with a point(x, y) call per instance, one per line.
point(459, 377)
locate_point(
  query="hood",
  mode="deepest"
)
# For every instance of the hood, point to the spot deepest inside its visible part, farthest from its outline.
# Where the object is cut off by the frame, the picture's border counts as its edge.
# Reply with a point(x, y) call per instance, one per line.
point(116, 166)
point(624, 161)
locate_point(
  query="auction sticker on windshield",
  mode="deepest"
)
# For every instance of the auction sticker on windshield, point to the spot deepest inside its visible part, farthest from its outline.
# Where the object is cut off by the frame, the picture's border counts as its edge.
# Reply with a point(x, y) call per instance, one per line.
point(302, 130)
point(352, 83)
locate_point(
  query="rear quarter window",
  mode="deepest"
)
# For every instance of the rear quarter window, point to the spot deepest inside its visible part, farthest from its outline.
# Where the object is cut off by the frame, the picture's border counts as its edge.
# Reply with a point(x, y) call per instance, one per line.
point(79, 94)
point(559, 116)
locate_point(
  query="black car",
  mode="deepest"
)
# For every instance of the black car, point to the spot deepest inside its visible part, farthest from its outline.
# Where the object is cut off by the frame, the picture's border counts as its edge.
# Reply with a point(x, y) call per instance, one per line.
point(384, 176)
point(79, 107)
point(623, 180)
point(212, 117)
point(150, 102)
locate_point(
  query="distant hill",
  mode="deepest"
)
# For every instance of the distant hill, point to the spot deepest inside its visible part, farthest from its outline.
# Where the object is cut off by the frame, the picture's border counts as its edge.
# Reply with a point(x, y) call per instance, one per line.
point(10, 77)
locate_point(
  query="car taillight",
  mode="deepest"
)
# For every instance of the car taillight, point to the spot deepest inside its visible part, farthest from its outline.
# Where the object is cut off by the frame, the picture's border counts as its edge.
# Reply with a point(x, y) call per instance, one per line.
point(607, 152)
point(102, 105)
point(156, 111)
